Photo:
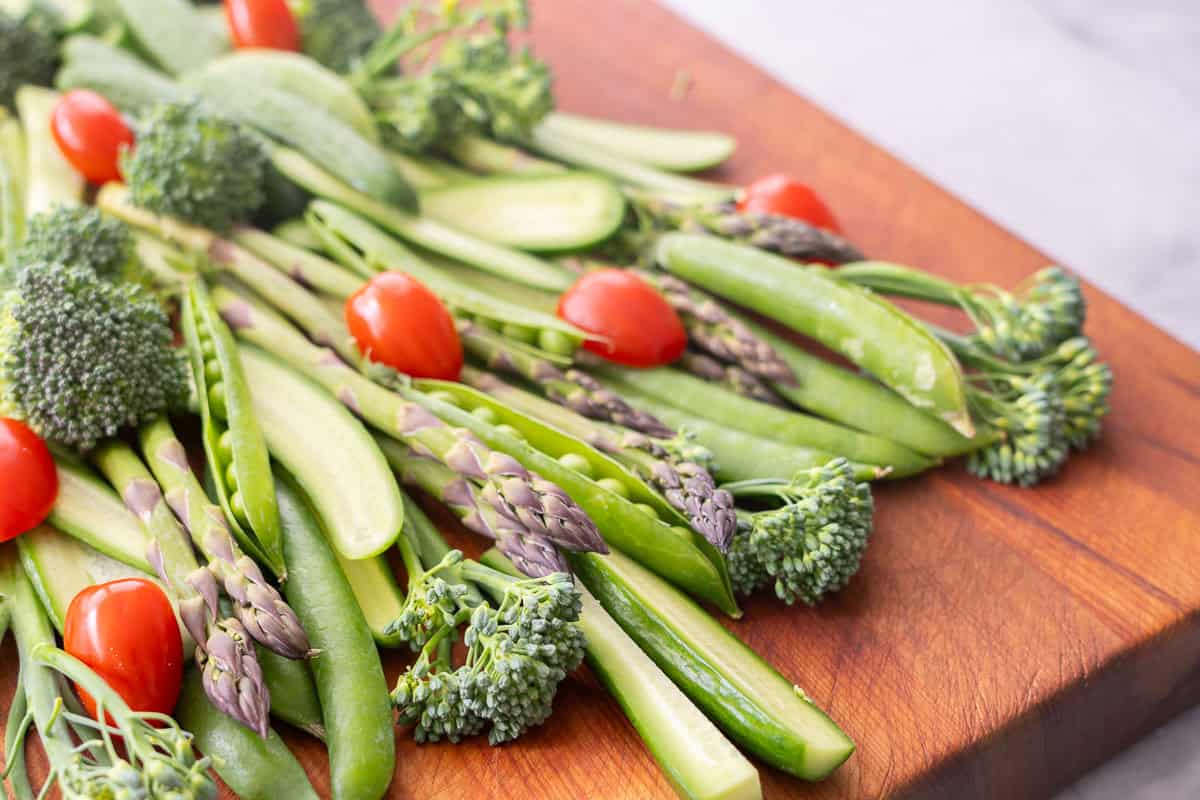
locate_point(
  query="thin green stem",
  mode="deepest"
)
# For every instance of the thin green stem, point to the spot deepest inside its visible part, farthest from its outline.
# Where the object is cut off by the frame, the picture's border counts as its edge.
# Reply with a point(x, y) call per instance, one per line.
point(493, 582)
point(412, 562)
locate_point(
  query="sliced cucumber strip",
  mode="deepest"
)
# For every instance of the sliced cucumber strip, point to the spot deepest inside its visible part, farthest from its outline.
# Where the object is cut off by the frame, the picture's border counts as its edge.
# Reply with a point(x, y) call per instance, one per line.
point(759, 708)
point(51, 180)
point(695, 756)
point(572, 211)
point(330, 454)
point(664, 148)
point(378, 595)
point(90, 511)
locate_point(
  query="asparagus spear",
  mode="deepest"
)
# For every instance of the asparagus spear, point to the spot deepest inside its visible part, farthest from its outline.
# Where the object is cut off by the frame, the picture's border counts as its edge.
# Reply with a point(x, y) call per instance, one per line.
point(543, 507)
point(730, 376)
point(233, 679)
point(572, 388)
point(686, 485)
point(256, 603)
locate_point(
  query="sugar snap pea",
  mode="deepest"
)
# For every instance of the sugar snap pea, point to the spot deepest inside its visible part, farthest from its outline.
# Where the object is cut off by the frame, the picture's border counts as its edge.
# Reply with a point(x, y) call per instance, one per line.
point(852, 321)
point(293, 693)
point(688, 393)
point(349, 676)
point(253, 767)
point(234, 446)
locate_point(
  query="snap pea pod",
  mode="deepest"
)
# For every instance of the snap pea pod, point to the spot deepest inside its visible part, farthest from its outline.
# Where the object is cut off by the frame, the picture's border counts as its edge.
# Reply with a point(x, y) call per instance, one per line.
point(688, 393)
point(743, 456)
point(674, 552)
point(253, 767)
point(234, 446)
point(293, 694)
point(512, 264)
point(364, 248)
point(349, 676)
point(172, 32)
point(852, 321)
point(859, 402)
point(303, 266)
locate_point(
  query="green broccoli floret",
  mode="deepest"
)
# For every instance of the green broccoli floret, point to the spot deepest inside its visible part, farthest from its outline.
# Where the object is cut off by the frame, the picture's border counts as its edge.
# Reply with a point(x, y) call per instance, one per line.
point(1046, 310)
point(196, 165)
point(517, 654)
point(337, 33)
point(82, 237)
point(809, 545)
point(82, 358)
point(431, 604)
point(30, 47)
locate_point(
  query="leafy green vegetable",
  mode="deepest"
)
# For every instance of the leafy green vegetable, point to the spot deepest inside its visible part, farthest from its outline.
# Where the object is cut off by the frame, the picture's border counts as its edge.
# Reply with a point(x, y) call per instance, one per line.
point(30, 49)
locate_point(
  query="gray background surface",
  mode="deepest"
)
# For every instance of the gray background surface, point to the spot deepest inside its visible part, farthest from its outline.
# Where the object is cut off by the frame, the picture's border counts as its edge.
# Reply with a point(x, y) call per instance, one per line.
point(1074, 123)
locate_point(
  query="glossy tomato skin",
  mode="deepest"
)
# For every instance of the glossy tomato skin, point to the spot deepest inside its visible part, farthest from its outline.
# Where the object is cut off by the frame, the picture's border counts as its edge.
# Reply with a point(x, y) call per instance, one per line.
point(398, 321)
point(29, 479)
point(126, 631)
point(91, 134)
point(632, 322)
point(262, 23)
point(785, 196)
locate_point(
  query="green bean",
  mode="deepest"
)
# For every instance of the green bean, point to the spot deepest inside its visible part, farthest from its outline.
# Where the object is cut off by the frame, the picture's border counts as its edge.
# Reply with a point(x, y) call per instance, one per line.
point(293, 693)
point(852, 321)
point(859, 402)
point(354, 696)
point(253, 767)
point(742, 456)
point(303, 266)
point(233, 442)
point(688, 393)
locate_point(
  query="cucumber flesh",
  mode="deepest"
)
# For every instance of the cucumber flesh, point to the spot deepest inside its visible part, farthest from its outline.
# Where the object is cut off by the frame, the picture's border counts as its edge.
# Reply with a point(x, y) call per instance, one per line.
point(547, 213)
point(697, 759)
point(330, 454)
point(760, 709)
point(89, 510)
point(378, 595)
point(52, 181)
point(672, 150)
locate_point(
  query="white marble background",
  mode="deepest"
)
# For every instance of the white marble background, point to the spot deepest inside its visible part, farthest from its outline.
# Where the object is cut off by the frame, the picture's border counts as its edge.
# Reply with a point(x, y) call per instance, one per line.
point(1074, 123)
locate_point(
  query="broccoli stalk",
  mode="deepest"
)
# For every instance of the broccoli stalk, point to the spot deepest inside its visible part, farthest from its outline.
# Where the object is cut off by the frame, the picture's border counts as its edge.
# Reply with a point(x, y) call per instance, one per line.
point(517, 652)
point(810, 542)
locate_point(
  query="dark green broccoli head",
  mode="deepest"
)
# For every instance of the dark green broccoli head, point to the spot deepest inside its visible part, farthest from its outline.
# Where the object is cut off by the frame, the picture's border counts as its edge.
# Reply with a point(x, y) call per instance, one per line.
point(81, 357)
point(82, 237)
point(338, 33)
point(30, 47)
point(196, 165)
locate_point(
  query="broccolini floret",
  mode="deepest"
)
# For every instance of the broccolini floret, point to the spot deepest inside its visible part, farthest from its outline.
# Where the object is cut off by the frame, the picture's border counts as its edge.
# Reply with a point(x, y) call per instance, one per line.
point(81, 237)
point(30, 47)
point(809, 545)
point(337, 33)
point(82, 358)
point(196, 165)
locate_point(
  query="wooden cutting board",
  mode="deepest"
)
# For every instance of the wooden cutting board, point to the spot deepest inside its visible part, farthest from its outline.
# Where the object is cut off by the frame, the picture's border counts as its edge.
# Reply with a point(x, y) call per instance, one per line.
point(999, 641)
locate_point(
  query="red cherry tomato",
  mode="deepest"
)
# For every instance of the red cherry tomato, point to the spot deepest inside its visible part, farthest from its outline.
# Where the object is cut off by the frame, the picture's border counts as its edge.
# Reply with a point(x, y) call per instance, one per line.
point(633, 323)
point(784, 196)
point(126, 632)
point(29, 479)
point(262, 23)
point(91, 134)
point(397, 321)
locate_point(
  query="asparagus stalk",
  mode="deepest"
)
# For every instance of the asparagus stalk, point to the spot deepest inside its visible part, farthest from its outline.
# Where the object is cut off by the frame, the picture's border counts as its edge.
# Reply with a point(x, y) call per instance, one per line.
point(543, 507)
point(572, 388)
point(233, 679)
point(256, 603)
point(730, 376)
point(686, 485)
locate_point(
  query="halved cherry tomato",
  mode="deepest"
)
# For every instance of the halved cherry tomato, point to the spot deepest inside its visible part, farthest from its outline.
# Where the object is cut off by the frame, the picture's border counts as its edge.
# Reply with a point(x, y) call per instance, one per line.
point(91, 134)
point(785, 196)
point(126, 632)
point(634, 324)
point(397, 321)
point(262, 23)
point(29, 479)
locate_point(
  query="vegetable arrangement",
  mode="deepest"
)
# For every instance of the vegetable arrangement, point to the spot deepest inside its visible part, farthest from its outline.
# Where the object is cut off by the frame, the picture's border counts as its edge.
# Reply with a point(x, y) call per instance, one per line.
point(350, 258)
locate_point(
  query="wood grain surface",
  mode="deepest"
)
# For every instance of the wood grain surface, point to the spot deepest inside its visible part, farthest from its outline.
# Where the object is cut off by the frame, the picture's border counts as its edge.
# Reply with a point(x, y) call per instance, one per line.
point(998, 641)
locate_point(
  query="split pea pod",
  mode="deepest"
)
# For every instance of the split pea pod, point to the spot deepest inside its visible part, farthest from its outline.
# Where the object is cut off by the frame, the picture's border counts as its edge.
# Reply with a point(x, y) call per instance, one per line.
point(234, 446)
point(688, 393)
point(350, 682)
point(871, 332)
point(253, 767)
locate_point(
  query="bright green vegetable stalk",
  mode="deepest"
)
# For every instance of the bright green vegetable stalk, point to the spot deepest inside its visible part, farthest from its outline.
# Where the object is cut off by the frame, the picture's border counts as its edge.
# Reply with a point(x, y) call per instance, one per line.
point(12, 185)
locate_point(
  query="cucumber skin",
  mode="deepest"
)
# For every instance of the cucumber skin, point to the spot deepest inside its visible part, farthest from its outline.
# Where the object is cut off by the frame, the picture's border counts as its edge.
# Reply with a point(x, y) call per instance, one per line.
point(355, 703)
point(690, 151)
point(322, 137)
point(254, 768)
point(740, 717)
